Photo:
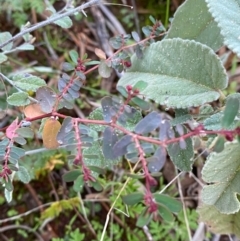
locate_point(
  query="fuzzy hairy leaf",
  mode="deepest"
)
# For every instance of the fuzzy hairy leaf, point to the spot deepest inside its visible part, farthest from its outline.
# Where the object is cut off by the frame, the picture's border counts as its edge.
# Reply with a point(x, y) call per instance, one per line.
point(18, 99)
point(3, 58)
point(28, 82)
point(226, 14)
point(5, 36)
point(222, 170)
point(97, 156)
point(214, 122)
point(64, 22)
point(230, 112)
point(180, 73)
point(218, 222)
point(25, 46)
point(192, 20)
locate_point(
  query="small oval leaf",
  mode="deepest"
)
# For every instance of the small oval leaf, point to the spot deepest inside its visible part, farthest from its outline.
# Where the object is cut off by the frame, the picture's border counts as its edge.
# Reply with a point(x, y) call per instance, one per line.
point(49, 134)
point(71, 175)
point(133, 198)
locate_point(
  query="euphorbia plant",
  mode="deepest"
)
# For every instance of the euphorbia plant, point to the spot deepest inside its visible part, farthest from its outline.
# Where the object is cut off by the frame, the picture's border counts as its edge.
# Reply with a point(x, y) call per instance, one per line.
point(178, 69)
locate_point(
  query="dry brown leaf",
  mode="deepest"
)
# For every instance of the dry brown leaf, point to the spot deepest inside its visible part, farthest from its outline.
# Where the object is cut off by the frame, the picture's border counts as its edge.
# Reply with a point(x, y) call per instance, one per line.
point(49, 134)
point(100, 53)
point(33, 110)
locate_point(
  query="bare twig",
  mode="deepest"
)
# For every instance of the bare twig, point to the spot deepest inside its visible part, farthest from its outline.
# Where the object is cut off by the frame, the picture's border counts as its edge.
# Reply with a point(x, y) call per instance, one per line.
point(24, 214)
point(85, 215)
point(10, 227)
point(50, 20)
point(184, 208)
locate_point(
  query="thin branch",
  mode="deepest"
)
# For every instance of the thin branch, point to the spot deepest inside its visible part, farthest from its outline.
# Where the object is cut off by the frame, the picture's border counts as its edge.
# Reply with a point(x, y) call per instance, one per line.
point(22, 227)
point(184, 208)
point(50, 20)
point(85, 215)
point(115, 201)
point(170, 183)
point(24, 214)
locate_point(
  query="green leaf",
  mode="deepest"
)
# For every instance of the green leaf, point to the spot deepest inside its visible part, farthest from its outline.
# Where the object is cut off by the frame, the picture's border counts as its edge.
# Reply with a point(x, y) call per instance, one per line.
point(214, 123)
point(67, 66)
point(230, 112)
point(97, 169)
point(144, 105)
point(19, 140)
point(182, 158)
point(144, 218)
point(46, 97)
point(18, 99)
point(18, 152)
point(171, 203)
point(165, 213)
point(181, 116)
point(140, 85)
point(8, 195)
point(219, 222)
point(219, 145)
point(192, 20)
point(3, 58)
point(133, 198)
point(8, 184)
point(223, 171)
point(97, 186)
point(78, 184)
point(228, 20)
point(25, 46)
point(64, 22)
point(71, 175)
point(104, 70)
point(98, 159)
point(23, 174)
point(5, 36)
point(28, 82)
point(74, 56)
point(25, 132)
point(180, 73)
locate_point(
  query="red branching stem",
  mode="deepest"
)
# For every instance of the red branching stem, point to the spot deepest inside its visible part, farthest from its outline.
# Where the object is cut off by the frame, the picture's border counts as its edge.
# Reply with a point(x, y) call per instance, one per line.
point(121, 110)
point(79, 157)
point(196, 132)
point(122, 48)
point(150, 181)
point(65, 90)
